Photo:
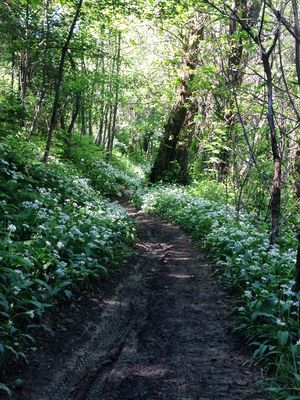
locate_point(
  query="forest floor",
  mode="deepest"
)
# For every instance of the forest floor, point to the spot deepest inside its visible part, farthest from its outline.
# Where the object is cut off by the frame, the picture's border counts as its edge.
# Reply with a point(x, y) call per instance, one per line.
point(156, 330)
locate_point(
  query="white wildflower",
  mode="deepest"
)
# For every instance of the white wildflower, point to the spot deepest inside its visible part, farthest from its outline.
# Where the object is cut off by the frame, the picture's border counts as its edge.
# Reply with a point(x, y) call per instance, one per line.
point(288, 292)
point(279, 322)
point(11, 228)
point(16, 290)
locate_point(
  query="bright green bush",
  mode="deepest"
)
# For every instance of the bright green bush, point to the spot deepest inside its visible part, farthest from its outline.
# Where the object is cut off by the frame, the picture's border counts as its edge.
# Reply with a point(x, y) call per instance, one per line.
point(211, 190)
point(12, 111)
point(261, 278)
point(57, 233)
point(110, 178)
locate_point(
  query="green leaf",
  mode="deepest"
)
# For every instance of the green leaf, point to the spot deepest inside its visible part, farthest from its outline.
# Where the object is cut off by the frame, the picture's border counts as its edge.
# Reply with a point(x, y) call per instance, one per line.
point(43, 283)
point(68, 293)
point(5, 389)
point(4, 302)
point(261, 314)
point(283, 337)
point(268, 304)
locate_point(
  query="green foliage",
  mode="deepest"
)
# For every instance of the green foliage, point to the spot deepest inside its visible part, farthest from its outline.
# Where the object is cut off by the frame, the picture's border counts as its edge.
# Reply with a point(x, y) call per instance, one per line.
point(211, 190)
point(57, 234)
point(12, 112)
point(260, 278)
point(110, 178)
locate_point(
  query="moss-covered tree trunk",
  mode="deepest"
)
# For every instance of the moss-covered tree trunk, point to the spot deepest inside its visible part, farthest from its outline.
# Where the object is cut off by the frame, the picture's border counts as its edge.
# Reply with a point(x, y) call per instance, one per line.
point(169, 151)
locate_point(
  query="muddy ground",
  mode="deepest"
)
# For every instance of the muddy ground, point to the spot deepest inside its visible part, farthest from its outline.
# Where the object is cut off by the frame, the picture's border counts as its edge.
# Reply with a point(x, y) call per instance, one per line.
point(158, 330)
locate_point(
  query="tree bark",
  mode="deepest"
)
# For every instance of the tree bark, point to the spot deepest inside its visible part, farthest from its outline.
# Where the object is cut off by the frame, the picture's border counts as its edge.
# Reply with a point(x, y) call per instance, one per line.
point(167, 152)
point(82, 115)
point(116, 104)
point(13, 60)
point(90, 122)
point(297, 161)
point(186, 139)
point(74, 116)
point(276, 189)
point(108, 129)
point(105, 129)
point(62, 118)
point(297, 43)
point(38, 106)
point(102, 109)
point(25, 57)
point(233, 80)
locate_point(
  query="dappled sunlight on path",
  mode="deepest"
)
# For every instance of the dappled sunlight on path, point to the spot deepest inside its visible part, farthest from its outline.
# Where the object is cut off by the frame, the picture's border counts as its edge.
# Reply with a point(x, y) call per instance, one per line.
point(160, 334)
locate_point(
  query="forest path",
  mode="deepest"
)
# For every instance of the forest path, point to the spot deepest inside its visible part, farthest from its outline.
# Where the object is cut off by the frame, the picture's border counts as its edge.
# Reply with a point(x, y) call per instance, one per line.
point(157, 332)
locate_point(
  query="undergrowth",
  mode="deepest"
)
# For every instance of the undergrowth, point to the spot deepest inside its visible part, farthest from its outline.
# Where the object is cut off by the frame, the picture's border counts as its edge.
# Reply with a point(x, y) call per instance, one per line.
point(117, 177)
point(259, 277)
point(57, 233)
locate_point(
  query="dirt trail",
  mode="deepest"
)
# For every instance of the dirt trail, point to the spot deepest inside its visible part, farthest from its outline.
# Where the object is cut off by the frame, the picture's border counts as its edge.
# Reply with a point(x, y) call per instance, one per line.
point(158, 332)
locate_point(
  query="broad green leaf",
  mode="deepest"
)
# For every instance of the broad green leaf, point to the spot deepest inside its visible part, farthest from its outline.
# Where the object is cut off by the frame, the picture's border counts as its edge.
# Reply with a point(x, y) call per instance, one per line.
point(5, 389)
point(283, 337)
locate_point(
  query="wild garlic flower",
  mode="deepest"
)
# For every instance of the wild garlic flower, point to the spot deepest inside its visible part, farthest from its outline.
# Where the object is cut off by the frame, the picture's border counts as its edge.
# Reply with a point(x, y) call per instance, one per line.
point(279, 322)
point(11, 228)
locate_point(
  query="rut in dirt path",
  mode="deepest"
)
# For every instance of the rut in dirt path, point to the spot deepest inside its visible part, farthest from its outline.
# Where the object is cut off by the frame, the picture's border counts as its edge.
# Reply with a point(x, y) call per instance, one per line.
point(161, 333)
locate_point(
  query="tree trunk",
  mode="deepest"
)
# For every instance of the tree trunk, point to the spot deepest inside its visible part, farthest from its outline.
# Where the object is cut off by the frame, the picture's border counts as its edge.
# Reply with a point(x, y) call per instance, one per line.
point(167, 152)
point(101, 127)
point(38, 106)
point(62, 118)
point(102, 109)
point(297, 162)
point(13, 60)
point(276, 189)
point(105, 129)
point(82, 115)
point(108, 132)
point(58, 84)
point(183, 149)
point(74, 116)
point(25, 57)
point(115, 108)
point(233, 80)
point(110, 102)
point(90, 124)
point(297, 42)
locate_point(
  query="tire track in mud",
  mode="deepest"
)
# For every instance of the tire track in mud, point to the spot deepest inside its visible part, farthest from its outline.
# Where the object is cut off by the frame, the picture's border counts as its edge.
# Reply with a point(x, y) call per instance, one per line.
point(159, 334)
